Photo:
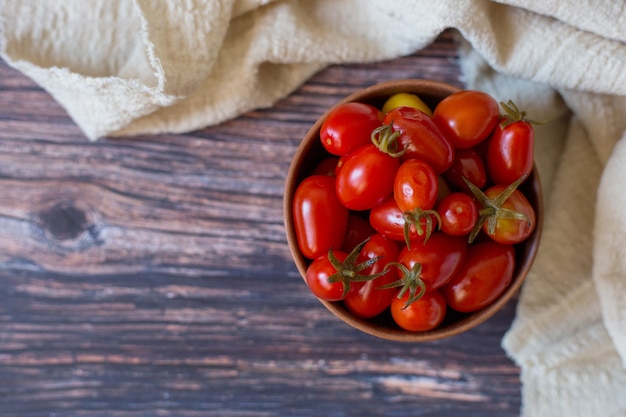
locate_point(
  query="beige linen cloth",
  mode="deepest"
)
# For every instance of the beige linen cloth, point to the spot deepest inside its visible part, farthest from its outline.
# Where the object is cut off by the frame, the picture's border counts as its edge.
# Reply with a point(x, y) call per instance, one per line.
point(125, 67)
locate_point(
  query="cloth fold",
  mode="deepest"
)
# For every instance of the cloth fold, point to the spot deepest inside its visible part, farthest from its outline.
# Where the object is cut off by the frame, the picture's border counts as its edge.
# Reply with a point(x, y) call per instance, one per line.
point(127, 67)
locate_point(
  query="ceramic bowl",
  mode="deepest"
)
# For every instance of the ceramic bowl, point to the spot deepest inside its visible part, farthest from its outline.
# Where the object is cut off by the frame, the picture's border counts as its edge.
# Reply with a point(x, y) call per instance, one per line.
point(310, 152)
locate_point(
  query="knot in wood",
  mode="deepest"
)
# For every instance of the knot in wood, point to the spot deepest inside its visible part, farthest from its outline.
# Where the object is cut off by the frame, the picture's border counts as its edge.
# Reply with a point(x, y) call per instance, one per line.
point(64, 221)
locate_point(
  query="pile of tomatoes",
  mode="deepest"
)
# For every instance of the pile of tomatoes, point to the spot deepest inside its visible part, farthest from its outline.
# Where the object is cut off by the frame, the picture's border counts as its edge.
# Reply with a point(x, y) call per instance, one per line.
point(416, 210)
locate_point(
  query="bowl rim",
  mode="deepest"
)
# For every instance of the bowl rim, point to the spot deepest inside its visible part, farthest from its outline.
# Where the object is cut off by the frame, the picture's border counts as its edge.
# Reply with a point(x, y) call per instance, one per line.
point(429, 91)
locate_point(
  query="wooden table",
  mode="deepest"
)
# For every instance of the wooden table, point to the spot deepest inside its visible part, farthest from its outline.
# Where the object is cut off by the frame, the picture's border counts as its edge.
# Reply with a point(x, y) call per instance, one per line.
point(150, 276)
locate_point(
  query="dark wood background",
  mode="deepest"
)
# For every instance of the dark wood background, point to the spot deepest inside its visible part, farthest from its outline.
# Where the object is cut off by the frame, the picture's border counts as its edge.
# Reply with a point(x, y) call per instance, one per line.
point(150, 276)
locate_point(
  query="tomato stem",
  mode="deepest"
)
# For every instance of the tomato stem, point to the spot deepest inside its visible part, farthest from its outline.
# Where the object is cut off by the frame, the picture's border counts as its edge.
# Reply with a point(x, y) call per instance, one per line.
point(492, 208)
point(386, 140)
point(414, 218)
point(349, 270)
point(410, 281)
point(513, 114)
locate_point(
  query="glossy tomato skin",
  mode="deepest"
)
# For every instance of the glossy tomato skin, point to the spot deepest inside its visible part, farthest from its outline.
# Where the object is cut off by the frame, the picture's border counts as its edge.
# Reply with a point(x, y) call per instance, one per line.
point(317, 275)
point(510, 153)
point(467, 117)
point(387, 219)
point(467, 163)
point(440, 257)
point(365, 178)
point(422, 315)
point(458, 212)
point(320, 220)
point(511, 231)
point(365, 299)
point(348, 127)
point(415, 185)
point(359, 229)
point(486, 273)
point(420, 137)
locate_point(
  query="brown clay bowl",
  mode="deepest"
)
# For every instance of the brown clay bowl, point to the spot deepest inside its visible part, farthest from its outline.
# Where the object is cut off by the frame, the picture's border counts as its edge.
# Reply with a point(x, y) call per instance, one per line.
point(310, 152)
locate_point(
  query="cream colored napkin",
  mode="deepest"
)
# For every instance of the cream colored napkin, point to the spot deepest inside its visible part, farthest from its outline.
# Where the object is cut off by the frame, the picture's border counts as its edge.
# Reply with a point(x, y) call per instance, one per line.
point(123, 67)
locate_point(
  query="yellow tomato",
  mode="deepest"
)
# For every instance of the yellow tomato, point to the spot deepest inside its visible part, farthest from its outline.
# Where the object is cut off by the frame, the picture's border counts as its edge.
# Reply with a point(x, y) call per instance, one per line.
point(408, 100)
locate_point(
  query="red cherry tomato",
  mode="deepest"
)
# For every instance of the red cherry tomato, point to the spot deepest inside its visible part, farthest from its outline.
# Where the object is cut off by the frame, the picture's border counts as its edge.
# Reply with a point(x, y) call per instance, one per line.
point(415, 186)
point(317, 275)
point(459, 213)
point(388, 220)
point(510, 152)
point(511, 231)
point(365, 178)
point(467, 117)
point(469, 164)
point(422, 315)
point(420, 137)
point(348, 127)
point(365, 299)
point(486, 273)
point(440, 257)
point(359, 229)
point(320, 220)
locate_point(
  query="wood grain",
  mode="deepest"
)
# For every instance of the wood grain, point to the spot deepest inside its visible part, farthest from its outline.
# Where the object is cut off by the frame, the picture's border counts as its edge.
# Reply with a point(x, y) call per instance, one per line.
point(150, 276)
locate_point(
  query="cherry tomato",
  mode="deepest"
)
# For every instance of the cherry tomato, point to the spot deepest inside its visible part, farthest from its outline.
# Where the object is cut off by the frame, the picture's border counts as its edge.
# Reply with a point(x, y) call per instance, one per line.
point(511, 231)
point(388, 220)
point(359, 229)
point(420, 137)
point(406, 100)
point(469, 164)
point(348, 127)
point(467, 117)
point(486, 273)
point(422, 315)
point(365, 299)
point(365, 178)
point(440, 258)
point(415, 185)
point(458, 212)
point(317, 275)
point(327, 166)
point(320, 220)
point(510, 152)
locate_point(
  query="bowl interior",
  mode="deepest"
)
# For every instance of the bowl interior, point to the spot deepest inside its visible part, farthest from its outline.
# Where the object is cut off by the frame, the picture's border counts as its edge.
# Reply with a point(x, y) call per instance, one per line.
point(311, 151)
